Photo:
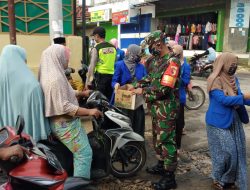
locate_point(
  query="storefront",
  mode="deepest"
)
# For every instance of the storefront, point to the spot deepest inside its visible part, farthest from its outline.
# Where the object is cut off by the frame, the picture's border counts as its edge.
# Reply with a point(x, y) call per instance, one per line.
point(127, 22)
point(192, 25)
point(193, 32)
point(111, 30)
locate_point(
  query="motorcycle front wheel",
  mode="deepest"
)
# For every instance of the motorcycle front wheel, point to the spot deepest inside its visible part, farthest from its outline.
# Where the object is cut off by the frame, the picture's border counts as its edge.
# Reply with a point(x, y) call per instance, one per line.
point(128, 160)
point(195, 98)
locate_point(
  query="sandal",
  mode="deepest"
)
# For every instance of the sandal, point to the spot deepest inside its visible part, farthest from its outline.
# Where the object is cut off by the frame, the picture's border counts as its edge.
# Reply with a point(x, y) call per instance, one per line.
point(216, 185)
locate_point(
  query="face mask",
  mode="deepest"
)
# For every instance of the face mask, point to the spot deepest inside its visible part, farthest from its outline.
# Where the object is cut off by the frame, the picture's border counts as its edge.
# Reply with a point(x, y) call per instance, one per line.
point(171, 54)
point(137, 59)
point(154, 51)
point(147, 51)
point(232, 70)
point(177, 56)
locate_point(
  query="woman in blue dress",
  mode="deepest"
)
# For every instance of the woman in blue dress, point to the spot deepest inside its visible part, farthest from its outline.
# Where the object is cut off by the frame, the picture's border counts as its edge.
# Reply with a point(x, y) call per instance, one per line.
point(127, 71)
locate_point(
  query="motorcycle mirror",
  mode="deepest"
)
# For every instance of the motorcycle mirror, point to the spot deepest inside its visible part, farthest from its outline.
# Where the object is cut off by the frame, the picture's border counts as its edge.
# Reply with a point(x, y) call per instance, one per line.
point(20, 124)
point(3, 135)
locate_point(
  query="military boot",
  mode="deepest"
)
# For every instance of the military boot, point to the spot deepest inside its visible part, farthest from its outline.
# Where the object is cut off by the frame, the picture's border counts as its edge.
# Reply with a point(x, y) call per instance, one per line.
point(158, 169)
point(166, 182)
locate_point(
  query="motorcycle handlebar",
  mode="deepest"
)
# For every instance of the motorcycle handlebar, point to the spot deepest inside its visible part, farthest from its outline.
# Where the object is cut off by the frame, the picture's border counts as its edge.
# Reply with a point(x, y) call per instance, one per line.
point(14, 159)
point(102, 104)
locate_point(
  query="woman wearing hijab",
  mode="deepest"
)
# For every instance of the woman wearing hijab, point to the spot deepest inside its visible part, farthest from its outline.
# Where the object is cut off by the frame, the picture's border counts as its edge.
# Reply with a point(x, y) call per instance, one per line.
point(184, 81)
point(126, 72)
point(224, 118)
point(21, 94)
point(61, 106)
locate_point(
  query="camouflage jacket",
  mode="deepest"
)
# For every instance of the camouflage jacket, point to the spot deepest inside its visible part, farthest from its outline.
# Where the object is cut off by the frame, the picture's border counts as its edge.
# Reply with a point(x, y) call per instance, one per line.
point(153, 90)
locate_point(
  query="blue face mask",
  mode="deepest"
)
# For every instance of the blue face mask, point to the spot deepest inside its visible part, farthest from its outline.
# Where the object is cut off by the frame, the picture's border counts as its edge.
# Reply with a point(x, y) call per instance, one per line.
point(147, 51)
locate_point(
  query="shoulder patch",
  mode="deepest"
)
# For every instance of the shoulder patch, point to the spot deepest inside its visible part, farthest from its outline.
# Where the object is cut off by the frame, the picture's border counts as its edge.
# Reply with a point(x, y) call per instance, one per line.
point(170, 75)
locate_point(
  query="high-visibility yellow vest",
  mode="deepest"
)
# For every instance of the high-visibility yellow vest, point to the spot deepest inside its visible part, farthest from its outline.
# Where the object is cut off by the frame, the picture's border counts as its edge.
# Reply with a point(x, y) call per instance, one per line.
point(107, 56)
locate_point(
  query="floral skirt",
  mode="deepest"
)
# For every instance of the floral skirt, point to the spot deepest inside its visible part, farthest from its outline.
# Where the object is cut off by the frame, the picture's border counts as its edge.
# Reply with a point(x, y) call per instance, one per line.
point(73, 136)
point(228, 153)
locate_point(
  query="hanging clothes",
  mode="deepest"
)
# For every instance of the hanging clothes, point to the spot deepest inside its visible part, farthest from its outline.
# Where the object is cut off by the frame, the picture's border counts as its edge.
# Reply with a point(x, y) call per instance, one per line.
point(193, 28)
point(181, 40)
point(173, 29)
point(199, 46)
point(213, 28)
point(195, 41)
point(187, 29)
point(177, 36)
point(167, 29)
point(178, 30)
point(198, 28)
point(213, 38)
point(203, 29)
point(208, 27)
point(183, 29)
point(205, 41)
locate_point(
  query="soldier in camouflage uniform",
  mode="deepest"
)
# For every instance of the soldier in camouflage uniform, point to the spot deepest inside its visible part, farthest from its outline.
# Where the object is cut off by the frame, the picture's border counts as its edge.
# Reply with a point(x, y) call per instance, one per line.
point(160, 91)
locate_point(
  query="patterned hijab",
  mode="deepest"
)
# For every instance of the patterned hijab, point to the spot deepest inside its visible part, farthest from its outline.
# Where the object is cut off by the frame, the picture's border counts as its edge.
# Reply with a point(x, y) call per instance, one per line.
point(171, 43)
point(220, 79)
point(178, 51)
point(132, 58)
point(59, 96)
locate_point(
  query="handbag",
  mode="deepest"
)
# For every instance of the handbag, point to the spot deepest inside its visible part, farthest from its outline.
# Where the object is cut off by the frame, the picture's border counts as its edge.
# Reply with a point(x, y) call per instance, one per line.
point(243, 115)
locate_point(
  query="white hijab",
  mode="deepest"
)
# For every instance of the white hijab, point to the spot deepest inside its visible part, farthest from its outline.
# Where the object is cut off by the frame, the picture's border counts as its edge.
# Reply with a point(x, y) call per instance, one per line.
point(60, 98)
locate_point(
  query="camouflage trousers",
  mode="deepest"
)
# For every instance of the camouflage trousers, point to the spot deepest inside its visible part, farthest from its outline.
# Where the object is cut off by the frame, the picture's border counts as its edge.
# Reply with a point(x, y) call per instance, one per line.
point(164, 141)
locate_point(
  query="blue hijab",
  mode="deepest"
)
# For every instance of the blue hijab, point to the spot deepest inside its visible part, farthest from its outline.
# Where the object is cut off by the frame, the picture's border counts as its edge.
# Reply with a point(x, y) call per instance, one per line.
point(21, 94)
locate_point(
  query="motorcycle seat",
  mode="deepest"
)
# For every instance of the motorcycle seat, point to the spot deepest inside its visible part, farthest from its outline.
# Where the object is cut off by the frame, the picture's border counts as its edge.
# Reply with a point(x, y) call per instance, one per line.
point(75, 183)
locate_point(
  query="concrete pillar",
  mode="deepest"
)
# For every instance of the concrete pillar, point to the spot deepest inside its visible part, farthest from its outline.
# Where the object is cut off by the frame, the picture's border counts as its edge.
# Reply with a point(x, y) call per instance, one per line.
point(55, 19)
point(154, 23)
point(235, 39)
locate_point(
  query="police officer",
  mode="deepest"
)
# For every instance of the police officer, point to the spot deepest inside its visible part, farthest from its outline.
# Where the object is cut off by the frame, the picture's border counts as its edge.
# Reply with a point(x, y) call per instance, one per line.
point(160, 91)
point(102, 62)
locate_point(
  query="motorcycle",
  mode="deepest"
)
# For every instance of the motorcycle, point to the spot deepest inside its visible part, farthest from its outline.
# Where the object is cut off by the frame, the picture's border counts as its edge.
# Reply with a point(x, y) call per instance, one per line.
point(117, 150)
point(199, 66)
point(39, 168)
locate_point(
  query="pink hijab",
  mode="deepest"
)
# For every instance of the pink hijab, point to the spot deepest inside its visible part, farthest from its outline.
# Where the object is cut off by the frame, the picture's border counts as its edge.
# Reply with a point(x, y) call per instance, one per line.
point(171, 43)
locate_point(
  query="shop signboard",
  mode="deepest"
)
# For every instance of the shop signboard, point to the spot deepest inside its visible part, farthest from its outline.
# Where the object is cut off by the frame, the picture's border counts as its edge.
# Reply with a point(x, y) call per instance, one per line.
point(135, 2)
point(239, 14)
point(99, 16)
point(87, 2)
point(100, 1)
point(121, 17)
